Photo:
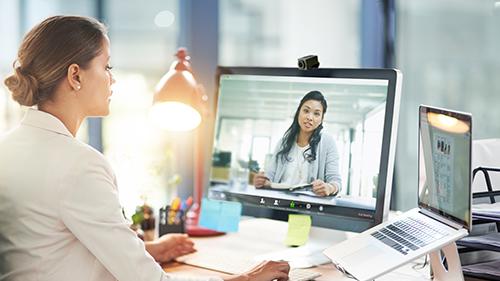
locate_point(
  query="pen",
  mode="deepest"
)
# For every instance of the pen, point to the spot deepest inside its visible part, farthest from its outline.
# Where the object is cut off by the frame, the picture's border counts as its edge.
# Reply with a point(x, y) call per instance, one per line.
point(253, 169)
point(175, 204)
point(304, 186)
point(186, 204)
point(258, 172)
point(261, 174)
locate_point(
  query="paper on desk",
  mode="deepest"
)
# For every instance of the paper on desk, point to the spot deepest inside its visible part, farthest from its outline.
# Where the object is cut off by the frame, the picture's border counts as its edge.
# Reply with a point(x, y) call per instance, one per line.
point(298, 230)
point(486, 207)
point(486, 211)
point(221, 216)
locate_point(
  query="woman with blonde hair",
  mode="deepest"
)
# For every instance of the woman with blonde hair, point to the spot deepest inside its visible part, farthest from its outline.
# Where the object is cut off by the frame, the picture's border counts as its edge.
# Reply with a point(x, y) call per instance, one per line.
point(60, 216)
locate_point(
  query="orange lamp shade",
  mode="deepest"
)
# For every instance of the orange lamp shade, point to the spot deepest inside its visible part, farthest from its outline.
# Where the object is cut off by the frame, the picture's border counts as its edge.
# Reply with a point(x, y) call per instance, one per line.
point(178, 98)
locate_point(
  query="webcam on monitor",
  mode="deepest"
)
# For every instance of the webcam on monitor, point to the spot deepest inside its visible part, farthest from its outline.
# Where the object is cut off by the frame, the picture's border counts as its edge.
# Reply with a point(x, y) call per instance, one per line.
point(308, 62)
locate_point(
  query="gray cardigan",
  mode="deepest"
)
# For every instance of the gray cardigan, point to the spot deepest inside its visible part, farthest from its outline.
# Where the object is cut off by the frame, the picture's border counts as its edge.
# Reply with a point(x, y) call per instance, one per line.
point(325, 167)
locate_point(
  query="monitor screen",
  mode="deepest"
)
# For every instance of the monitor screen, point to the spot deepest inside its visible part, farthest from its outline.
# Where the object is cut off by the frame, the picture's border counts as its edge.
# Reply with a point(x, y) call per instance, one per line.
point(319, 141)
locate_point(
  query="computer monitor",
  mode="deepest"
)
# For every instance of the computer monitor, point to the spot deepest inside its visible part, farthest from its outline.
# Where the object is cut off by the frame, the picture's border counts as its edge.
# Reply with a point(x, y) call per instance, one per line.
point(255, 108)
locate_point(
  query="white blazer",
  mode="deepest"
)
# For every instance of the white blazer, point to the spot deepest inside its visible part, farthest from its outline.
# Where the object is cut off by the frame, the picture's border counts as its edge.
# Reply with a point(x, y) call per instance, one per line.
point(60, 218)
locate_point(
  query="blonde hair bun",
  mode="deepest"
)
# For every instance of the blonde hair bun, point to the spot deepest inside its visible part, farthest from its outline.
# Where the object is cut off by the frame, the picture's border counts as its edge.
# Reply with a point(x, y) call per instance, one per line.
point(24, 87)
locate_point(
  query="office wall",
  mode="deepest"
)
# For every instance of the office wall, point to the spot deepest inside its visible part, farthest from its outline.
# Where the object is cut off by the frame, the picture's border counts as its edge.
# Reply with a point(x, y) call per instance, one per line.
point(10, 34)
point(276, 33)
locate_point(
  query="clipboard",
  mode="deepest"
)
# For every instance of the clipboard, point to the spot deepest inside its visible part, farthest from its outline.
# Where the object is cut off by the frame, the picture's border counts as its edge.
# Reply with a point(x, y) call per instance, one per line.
point(301, 186)
point(281, 186)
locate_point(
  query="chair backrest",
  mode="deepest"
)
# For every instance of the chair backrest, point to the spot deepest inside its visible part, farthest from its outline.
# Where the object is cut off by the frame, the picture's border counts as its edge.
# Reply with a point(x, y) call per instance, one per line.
point(485, 153)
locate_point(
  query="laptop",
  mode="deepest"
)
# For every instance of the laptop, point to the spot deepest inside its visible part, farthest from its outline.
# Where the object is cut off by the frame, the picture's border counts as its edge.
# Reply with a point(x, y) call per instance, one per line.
point(444, 202)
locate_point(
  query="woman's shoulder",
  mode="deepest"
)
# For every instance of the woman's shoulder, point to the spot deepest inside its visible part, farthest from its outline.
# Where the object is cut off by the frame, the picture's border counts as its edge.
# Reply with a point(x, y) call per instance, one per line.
point(90, 153)
point(327, 138)
point(327, 142)
point(73, 147)
point(85, 155)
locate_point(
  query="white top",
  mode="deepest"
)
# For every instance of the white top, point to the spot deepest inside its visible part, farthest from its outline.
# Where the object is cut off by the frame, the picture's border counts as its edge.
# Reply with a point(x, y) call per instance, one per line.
point(60, 217)
point(298, 168)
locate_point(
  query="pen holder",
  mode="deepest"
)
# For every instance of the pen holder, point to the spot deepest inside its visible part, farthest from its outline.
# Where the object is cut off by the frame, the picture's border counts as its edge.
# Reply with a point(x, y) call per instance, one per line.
point(171, 221)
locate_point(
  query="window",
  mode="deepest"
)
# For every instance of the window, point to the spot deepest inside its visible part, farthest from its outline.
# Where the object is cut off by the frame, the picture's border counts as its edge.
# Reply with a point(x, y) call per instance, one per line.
point(448, 53)
point(143, 45)
point(276, 33)
point(22, 16)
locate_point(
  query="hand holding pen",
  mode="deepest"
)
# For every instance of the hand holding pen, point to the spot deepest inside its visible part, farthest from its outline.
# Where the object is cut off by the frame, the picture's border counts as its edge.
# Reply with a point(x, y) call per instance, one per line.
point(322, 188)
point(260, 180)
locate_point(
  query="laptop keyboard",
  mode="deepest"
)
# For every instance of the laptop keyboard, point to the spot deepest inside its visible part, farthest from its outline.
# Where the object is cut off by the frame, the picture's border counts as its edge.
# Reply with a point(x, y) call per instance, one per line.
point(408, 234)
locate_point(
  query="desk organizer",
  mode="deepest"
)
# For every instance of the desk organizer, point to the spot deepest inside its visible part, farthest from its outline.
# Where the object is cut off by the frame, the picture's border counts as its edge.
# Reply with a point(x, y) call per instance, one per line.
point(171, 221)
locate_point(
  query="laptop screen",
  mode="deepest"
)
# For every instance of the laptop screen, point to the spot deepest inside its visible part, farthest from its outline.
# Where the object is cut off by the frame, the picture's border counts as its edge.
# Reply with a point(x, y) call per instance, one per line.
point(444, 164)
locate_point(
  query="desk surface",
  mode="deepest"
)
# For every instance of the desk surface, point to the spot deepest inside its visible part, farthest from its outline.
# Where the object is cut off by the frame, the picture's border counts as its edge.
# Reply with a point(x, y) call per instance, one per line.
point(251, 240)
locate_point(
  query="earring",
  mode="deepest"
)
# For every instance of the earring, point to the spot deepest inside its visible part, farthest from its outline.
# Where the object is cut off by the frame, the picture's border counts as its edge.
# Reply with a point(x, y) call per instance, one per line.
point(78, 87)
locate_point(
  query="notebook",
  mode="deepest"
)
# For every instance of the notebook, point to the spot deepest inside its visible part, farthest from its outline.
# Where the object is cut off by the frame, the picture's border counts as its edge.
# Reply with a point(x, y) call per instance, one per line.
point(286, 187)
point(444, 202)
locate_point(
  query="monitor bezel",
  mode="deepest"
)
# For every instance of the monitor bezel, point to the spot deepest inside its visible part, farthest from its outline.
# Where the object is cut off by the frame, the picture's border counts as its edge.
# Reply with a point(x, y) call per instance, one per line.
point(464, 116)
point(386, 166)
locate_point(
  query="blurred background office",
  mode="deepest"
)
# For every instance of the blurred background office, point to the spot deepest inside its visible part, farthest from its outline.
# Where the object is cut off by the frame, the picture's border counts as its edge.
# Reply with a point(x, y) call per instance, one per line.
point(447, 51)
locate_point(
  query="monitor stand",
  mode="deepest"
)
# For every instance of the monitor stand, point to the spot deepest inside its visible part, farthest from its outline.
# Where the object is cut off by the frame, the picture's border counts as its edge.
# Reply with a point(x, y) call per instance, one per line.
point(454, 270)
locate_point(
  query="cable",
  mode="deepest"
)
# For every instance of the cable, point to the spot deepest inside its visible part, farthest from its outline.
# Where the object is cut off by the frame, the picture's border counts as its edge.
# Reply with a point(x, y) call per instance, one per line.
point(341, 269)
point(418, 266)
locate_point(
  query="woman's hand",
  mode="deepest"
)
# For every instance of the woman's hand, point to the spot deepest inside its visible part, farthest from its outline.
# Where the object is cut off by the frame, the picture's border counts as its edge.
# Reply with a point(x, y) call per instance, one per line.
point(266, 271)
point(260, 180)
point(170, 246)
point(322, 188)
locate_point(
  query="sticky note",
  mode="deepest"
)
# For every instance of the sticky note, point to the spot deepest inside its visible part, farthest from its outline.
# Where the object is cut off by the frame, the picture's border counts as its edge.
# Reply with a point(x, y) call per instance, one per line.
point(221, 216)
point(298, 230)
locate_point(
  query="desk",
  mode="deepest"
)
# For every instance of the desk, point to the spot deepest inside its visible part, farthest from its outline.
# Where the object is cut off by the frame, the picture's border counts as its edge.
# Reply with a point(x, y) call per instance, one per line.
point(251, 240)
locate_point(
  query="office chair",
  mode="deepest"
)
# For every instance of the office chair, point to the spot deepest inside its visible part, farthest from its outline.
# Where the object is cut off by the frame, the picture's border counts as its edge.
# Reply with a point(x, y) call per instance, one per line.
point(486, 155)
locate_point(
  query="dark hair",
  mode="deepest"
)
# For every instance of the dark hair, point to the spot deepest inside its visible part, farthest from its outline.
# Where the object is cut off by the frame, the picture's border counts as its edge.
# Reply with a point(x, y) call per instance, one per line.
point(46, 53)
point(291, 134)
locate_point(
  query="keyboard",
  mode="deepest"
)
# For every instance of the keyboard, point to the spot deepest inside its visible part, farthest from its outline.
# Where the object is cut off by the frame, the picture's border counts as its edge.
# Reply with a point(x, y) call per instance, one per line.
point(408, 234)
point(297, 274)
point(228, 264)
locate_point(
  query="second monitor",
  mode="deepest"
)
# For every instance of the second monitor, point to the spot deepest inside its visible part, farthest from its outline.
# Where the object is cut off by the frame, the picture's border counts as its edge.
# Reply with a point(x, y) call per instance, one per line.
point(350, 119)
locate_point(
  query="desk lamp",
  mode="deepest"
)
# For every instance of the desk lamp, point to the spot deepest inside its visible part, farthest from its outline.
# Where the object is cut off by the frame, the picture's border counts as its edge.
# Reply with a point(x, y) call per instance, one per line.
point(178, 101)
point(179, 104)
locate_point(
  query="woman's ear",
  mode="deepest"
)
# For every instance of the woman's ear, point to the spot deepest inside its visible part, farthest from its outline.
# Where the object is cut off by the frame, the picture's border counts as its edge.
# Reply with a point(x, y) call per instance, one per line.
point(73, 77)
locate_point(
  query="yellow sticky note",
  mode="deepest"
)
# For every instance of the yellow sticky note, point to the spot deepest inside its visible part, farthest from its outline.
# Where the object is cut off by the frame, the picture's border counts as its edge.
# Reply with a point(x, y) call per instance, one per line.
point(298, 230)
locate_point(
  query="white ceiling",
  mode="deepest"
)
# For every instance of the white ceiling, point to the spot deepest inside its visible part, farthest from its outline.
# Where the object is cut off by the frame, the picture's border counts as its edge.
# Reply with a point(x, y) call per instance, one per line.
point(347, 104)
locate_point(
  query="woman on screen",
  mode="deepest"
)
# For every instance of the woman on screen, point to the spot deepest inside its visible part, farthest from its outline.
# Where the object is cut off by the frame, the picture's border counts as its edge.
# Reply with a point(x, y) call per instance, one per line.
point(59, 209)
point(305, 155)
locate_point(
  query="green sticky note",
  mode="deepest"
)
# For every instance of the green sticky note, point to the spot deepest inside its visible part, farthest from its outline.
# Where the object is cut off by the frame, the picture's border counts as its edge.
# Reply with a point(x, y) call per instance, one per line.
point(298, 230)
